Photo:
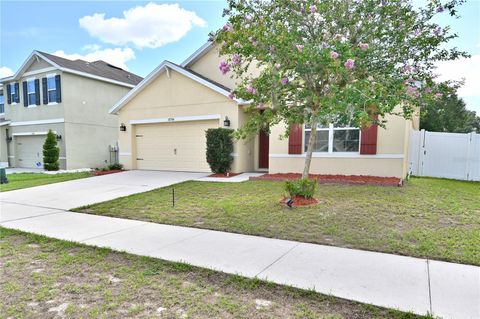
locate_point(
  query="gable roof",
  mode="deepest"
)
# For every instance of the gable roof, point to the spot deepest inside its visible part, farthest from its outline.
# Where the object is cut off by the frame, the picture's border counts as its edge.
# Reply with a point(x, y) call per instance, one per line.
point(204, 49)
point(165, 66)
point(99, 70)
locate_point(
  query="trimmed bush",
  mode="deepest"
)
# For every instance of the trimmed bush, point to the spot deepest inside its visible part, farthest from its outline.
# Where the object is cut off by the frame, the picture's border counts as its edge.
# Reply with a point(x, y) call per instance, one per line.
point(116, 166)
point(51, 152)
point(301, 187)
point(219, 149)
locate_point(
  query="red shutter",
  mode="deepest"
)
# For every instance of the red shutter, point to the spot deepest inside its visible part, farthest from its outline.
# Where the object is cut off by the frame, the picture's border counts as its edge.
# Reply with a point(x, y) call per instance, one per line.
point(295, 139)
point(368, 143)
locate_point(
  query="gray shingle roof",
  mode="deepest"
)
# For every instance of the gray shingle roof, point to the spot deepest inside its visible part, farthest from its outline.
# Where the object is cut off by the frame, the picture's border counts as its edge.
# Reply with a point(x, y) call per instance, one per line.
point(98, 68)
point(203, 77)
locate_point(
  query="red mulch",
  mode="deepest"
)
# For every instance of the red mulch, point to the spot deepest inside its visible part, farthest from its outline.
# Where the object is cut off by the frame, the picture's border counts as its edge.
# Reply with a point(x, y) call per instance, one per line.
point(100, 173)
point(224, 175)
point(300, 201)
point(336, 179)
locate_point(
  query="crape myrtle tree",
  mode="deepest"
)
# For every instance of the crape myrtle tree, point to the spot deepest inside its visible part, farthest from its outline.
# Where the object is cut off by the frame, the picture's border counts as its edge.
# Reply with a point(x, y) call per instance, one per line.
point(336, 61)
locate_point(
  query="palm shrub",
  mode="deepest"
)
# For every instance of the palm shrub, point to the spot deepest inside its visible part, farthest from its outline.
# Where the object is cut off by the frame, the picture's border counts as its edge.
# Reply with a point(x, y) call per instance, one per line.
point(301, 187)
point(51, 152)
point(219, 149)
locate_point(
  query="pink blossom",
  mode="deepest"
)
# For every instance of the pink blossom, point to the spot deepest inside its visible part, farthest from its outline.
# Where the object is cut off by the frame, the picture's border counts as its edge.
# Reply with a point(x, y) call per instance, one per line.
point(251, 89)
point(428, 90)
point(350, 64)
point(231, 95)
point(227, 27)
point(313, 8)
point(277, 66)
point(236, 59)
point(237, 45)
point(363, 46)
point(334, 55)
point(407, 68)
point(437, 30)
point(284, 81)
point(248, 17)
point(252, 40)
point(439, 94)
point(224, 67)
point(299, 47)
point(440, 9)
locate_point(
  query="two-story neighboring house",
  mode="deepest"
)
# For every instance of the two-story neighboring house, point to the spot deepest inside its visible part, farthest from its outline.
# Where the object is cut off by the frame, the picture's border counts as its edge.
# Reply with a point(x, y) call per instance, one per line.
point(69, 97)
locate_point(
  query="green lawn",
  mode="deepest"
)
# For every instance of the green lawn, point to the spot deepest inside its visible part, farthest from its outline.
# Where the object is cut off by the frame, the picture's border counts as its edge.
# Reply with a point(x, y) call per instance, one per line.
point(43, 277)
point(433, 218)
point(24, 180)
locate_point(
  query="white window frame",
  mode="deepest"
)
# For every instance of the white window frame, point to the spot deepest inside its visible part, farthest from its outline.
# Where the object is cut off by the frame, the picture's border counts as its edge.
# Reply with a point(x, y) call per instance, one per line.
point(331, 129)
point(12, 93)
point(28, 92)
point(49, 76)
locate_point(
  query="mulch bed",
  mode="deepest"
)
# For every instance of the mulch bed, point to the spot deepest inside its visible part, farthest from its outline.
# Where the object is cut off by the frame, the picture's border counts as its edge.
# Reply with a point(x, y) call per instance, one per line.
point(300, 201)
point(100, 173)
point(335, 179)
point(224, 175)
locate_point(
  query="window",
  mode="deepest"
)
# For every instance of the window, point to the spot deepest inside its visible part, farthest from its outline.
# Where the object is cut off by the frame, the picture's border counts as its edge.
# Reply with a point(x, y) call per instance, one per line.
point(31, 94)
point(2, 104)
point(13, 93)
point(51, 90)
point(334, 139)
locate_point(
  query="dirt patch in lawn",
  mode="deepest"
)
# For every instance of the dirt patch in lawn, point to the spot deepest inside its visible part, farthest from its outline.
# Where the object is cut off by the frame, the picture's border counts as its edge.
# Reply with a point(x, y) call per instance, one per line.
point(335, 179)
point(48, 278)
point(227, 175)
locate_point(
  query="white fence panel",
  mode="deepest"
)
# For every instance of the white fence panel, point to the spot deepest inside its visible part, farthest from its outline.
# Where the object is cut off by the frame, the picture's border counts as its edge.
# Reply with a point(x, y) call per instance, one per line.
point(448, 155)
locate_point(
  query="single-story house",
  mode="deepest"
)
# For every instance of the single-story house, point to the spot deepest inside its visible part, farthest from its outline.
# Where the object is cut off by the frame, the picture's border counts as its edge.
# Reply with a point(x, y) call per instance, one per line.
point(166, 115)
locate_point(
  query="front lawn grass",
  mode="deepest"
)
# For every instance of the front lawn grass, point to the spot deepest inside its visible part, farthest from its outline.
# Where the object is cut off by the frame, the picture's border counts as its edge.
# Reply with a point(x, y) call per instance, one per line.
point(44, 277)
point(24, 180)
point(432, 218)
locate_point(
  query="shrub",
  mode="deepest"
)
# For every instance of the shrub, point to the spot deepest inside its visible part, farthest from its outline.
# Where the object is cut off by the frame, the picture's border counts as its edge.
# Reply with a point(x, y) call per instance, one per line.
point(51, 152)
point(219, 149)
point(115, 166)
point(301, 187)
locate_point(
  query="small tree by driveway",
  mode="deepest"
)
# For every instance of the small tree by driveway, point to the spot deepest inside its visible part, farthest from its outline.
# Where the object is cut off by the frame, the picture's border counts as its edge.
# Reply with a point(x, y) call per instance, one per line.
point(51, 152)
point(337, 61)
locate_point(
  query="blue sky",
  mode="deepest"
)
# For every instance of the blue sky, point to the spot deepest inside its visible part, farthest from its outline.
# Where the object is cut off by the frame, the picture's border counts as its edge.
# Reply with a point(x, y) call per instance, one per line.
point(139, 36)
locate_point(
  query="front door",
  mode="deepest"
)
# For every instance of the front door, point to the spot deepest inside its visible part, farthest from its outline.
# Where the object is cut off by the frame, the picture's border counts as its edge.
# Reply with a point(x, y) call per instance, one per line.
point(263, 142)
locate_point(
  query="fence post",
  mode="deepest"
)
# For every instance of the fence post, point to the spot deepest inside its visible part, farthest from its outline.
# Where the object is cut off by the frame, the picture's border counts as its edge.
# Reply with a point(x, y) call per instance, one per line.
point(422, 152)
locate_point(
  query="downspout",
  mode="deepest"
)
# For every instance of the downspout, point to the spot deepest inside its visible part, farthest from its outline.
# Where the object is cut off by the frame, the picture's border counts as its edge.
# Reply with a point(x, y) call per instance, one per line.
point(8, 147)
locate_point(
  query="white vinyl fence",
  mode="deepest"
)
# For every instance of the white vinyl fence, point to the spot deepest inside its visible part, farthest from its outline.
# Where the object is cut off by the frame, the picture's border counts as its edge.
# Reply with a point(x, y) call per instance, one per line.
point(448, 155)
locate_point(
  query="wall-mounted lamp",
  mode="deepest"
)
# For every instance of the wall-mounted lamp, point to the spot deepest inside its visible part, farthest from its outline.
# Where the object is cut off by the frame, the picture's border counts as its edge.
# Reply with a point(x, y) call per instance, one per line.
point(9, 139)
point(226, 122)
point(123, 127)
point(59, 137)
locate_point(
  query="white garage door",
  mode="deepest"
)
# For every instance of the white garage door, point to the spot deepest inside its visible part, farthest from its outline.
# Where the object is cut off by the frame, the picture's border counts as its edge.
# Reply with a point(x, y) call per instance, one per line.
point(176, 146)
point(29, 150)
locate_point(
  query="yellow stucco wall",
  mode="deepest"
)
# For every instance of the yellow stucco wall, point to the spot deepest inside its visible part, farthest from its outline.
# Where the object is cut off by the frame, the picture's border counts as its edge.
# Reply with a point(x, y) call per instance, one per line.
point(175, 95)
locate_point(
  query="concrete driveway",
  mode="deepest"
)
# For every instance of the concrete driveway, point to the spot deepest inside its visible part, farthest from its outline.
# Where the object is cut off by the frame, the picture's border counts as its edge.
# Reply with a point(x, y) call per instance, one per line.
point(80, 192)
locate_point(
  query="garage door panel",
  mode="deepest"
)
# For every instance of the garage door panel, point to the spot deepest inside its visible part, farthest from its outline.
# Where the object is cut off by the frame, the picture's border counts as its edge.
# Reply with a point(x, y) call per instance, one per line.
point(29, 150)
point(173, 146)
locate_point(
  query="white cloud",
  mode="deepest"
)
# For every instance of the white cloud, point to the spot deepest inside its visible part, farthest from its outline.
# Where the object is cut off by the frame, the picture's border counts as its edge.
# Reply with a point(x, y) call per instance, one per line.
point(117, 56)
point(91, 47)
point(149, 26)
point(4, 72)
point(469, 69)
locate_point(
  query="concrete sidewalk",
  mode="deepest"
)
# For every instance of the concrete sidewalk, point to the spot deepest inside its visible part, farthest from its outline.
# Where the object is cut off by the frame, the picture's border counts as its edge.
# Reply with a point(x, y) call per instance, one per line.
point(410, 284)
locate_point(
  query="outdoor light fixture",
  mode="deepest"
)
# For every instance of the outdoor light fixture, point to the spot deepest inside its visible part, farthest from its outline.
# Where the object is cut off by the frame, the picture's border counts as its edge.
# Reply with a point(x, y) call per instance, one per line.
point(123, 128)
point(59, 137)
point(9, 139)
point(226, 122)
point(289, 202)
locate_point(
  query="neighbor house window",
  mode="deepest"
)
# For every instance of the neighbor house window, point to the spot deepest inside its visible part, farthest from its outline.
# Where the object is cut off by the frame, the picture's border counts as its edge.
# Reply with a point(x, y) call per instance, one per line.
point(51, 89)
point(334, 139)
point(2, 104)
point(31, 93)
point(13, 93)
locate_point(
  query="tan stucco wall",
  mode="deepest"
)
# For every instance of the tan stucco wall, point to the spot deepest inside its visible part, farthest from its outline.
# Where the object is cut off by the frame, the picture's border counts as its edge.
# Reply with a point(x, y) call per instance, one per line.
point(173, 95)
point(391, 158)
point(38, 65)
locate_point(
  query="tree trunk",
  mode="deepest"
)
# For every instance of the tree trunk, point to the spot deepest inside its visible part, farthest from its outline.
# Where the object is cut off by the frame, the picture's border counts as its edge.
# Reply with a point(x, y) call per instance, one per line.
point(311, 144)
